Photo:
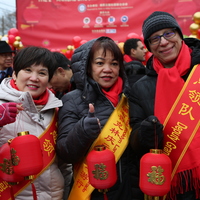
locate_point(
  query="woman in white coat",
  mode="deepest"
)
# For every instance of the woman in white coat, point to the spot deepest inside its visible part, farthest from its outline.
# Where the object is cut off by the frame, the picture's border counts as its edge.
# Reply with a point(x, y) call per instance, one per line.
point(27, 105)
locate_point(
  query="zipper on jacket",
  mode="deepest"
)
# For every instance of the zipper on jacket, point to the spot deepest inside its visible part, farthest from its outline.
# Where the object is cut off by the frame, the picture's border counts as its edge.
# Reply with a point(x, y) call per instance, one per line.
point(41, 117)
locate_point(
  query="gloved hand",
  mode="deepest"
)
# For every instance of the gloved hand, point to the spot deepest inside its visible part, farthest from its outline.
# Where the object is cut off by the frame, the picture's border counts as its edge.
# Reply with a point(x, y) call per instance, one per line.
point(8, 113)
point(91, 123)
point(151, 133)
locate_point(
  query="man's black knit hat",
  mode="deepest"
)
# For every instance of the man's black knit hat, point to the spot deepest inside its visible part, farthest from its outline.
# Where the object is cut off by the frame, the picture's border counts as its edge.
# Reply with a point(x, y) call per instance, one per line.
point(156, 21)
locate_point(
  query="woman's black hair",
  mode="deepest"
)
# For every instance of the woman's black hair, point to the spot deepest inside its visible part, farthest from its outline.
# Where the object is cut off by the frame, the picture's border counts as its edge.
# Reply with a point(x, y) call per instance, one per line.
point(33, 55)
point(107, 44)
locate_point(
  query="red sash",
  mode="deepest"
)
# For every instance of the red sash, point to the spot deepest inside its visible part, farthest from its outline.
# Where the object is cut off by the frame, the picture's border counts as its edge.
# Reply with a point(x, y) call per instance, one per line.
point(48, 141)
point(182, 139)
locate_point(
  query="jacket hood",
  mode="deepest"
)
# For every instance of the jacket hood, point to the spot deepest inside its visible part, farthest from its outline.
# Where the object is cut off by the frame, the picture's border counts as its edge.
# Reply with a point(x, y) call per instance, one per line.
point(79, 64)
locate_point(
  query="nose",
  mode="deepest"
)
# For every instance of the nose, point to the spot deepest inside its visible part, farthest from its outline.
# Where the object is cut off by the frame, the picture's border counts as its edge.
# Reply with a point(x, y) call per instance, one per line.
point(163, 40)
point(34, 77)
point(107, 68)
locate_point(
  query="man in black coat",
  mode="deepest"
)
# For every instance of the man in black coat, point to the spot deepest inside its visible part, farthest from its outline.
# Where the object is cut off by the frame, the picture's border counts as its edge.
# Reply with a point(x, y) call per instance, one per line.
point(156, 95)
point(134, 57)
point(6, 60)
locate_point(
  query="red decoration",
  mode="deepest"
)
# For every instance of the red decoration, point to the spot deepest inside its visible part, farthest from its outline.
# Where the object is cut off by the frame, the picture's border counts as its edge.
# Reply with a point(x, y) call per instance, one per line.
point(82, 42)
point(155, 173)
point(198, 33)
point(32, 14)
point(76, 41)
point(14, 32)
point(6, 167)
point(28, 151)
point(69, 54)
point(101, 168)
point(11, 39)
point(132, 35)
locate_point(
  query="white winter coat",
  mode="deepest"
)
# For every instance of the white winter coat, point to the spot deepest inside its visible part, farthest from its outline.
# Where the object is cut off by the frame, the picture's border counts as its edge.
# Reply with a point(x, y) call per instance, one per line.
point(49, 185)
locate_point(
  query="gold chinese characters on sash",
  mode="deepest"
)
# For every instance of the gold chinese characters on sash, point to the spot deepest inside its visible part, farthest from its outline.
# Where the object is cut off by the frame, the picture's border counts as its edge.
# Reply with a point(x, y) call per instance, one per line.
point(114, 135)
point(182, 125)
point(48, 142)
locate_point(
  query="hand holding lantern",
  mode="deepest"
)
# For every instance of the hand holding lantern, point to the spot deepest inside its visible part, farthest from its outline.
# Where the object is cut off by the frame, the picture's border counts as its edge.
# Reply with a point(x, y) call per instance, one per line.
point(155, 171)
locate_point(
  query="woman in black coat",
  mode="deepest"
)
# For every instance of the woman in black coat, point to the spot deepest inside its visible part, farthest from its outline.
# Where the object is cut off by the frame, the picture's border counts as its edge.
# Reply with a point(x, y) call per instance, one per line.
point(99, 76)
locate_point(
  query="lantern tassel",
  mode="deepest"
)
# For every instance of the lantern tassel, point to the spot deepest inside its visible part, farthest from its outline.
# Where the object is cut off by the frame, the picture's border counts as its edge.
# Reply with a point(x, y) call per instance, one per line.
point(105, 196)
point(34, 191)
point(12, 193)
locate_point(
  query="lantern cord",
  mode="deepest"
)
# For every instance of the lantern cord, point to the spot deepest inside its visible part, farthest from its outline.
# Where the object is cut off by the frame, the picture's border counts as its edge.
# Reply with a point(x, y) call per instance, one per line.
point(12, 193)
point(105, 196)
point(34, 191)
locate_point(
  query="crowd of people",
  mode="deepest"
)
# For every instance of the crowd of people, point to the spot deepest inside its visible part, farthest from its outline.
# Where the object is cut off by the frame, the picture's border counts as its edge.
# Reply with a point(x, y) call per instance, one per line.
point(71, 104)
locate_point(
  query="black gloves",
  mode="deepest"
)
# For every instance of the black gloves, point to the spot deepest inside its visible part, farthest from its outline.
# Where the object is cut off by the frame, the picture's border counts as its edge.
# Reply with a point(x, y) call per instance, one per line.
point(151, 133)
point(91, 125)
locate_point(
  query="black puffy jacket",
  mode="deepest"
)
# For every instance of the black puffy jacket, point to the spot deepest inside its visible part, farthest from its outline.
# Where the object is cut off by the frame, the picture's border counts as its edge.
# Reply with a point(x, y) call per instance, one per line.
point(73, 142)
point(134, 71)
point(142, 97)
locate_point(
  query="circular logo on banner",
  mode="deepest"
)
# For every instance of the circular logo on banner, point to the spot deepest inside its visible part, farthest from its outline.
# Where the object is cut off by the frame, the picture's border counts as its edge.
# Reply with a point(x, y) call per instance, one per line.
point(86, 20)
point(124, 19)
point(82, 8)
point(99, 20)
point(111, 19)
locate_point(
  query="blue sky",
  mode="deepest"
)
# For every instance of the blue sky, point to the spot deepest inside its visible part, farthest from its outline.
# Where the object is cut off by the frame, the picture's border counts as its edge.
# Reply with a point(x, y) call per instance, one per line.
point(7, 6)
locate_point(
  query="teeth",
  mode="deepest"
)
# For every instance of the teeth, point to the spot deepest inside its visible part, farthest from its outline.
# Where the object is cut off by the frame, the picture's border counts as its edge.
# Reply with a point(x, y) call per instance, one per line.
point(32, 86)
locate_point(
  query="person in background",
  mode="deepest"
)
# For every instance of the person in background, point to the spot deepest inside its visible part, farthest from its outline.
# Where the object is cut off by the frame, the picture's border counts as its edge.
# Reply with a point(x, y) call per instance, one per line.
point(101, 90)
point(27, 105)
point(134, 56)
point(60, 82)
point(164, 104)
point(6, 60)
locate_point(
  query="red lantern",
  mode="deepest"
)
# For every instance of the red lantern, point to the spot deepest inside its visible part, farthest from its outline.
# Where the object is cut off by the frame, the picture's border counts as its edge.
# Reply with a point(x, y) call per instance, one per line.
point(155, 173)
point(32, 14)
point(101, 168)
point(28, 150)
point(6, 167)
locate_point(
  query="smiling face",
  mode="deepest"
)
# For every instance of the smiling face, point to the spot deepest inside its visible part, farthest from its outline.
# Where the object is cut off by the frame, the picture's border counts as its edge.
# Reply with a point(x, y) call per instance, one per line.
point(105, 69)
point(168, 49)
point(33, 79)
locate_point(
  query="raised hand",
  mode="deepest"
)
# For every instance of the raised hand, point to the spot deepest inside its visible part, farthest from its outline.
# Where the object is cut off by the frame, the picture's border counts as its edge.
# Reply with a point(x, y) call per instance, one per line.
point(8, 112)
point(91, 122)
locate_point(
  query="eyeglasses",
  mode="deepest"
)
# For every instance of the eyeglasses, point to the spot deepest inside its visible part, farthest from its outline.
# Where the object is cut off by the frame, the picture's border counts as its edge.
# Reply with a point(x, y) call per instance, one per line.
point(6, 55)
point(167, 35)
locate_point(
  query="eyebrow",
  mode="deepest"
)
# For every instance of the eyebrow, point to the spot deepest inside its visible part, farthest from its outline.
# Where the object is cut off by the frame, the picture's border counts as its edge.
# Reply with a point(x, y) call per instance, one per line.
point(44, 69)
point(100, 58)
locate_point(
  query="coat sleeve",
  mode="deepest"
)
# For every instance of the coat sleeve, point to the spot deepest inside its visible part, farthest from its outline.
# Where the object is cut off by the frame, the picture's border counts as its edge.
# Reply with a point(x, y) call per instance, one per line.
point(72, 142)
point(141, 102)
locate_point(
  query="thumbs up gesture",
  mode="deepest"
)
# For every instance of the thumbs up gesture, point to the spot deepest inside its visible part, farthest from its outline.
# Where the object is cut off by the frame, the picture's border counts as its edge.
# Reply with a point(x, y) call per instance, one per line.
point(91, 123)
